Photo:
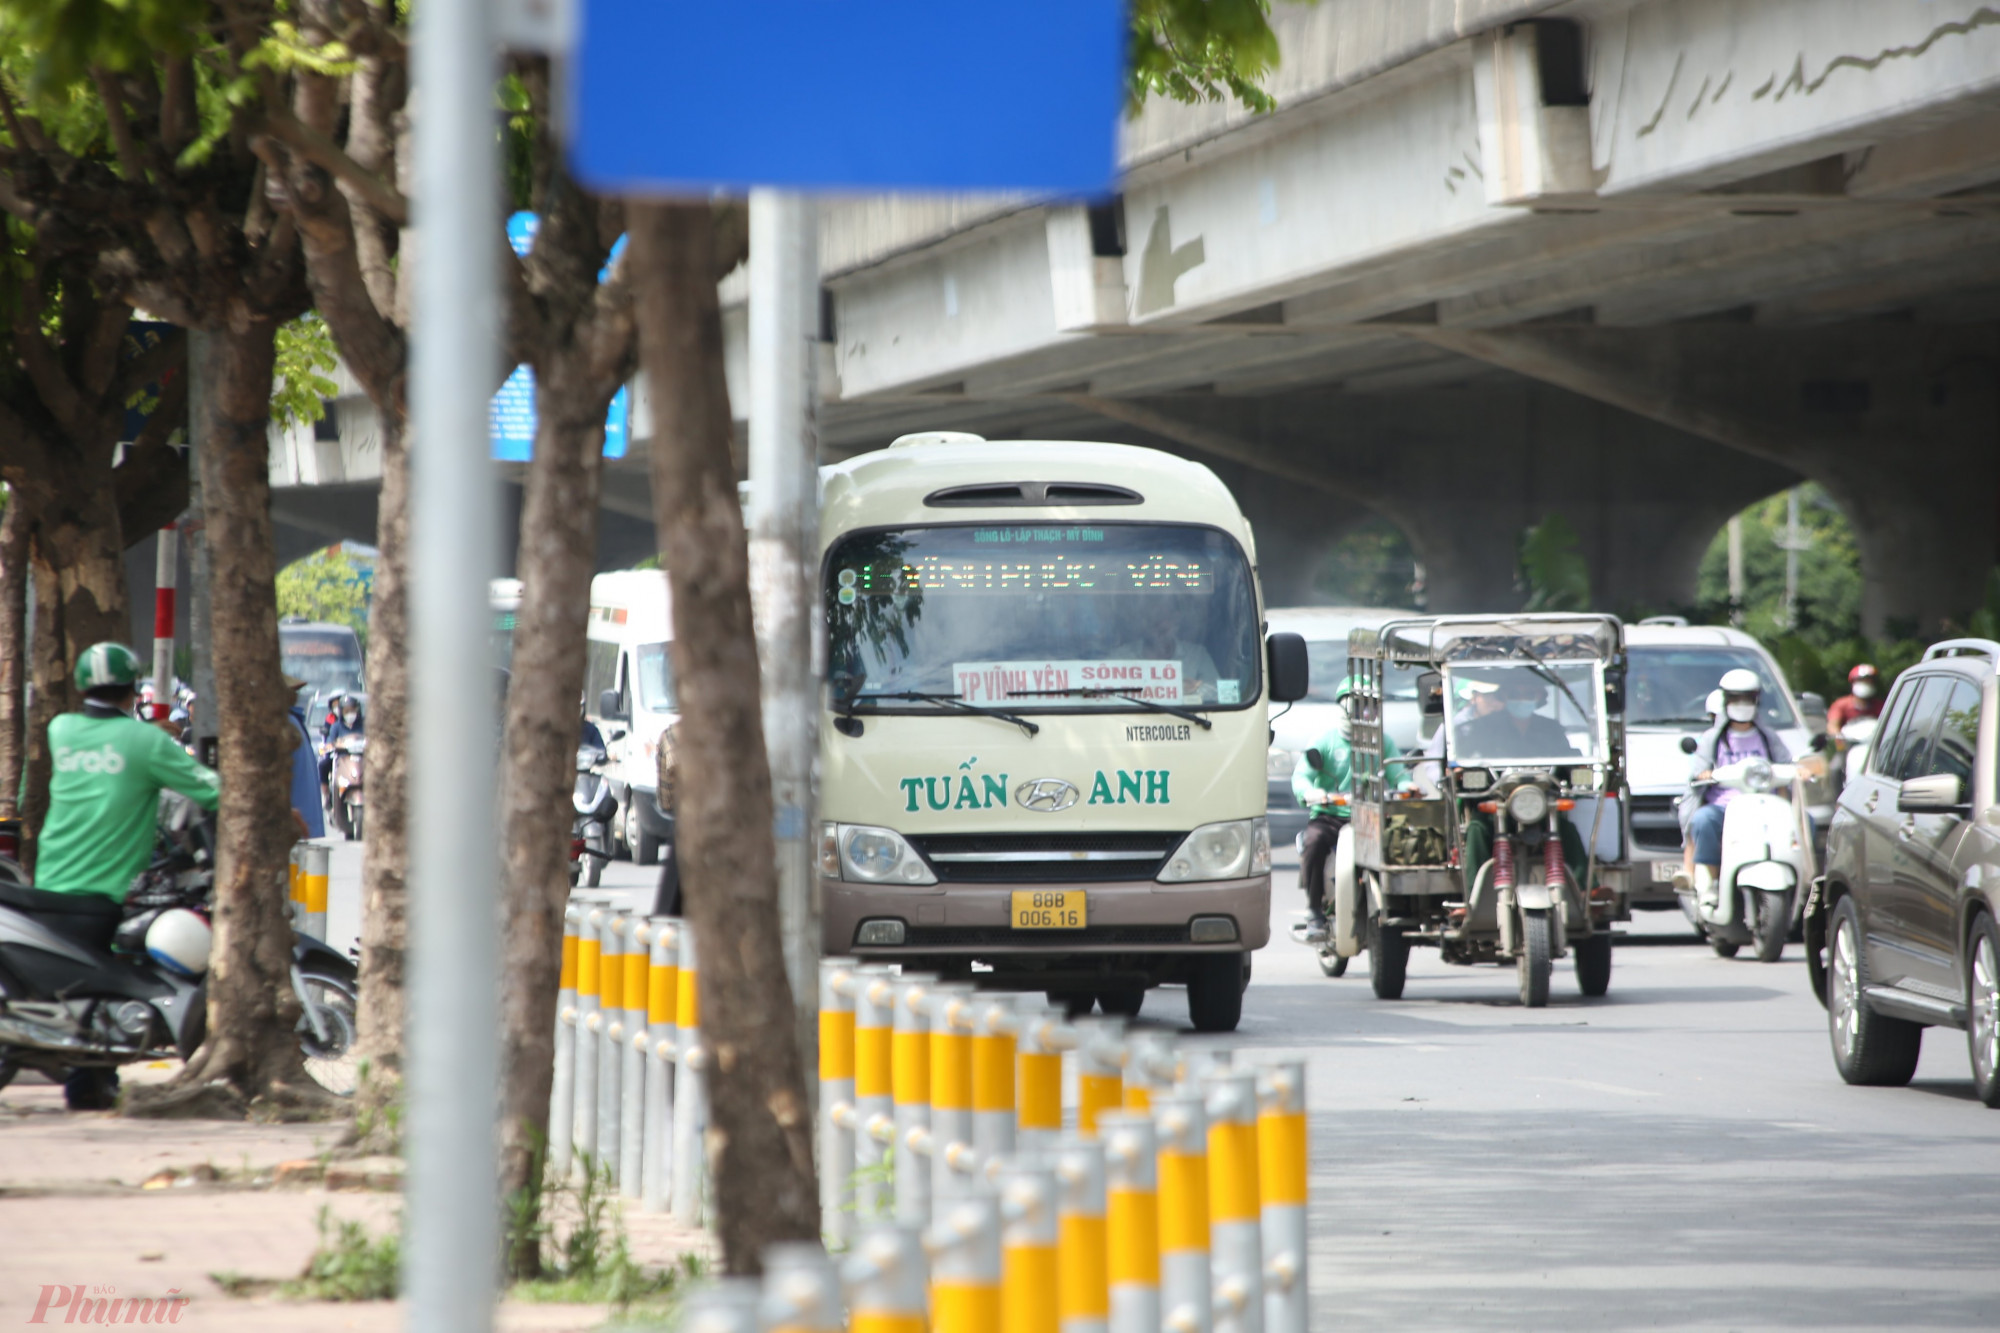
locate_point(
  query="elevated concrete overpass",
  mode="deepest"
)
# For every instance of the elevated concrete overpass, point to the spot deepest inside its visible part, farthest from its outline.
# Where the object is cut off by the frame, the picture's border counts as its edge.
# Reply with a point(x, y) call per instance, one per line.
point(1637, 262)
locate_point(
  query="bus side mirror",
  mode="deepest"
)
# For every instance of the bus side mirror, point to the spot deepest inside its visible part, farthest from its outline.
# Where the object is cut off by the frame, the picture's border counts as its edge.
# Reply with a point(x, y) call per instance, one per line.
point(1430, 693)
point(607, 704)
point(1291, 670)
point(1689, 745)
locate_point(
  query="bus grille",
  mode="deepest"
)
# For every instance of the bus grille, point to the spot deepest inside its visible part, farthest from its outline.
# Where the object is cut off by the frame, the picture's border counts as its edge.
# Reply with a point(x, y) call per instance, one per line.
point(1042, 858)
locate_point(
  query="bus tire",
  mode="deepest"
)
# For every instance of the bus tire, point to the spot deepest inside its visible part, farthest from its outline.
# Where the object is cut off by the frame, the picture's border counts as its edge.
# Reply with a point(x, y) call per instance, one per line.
point(1215, 992)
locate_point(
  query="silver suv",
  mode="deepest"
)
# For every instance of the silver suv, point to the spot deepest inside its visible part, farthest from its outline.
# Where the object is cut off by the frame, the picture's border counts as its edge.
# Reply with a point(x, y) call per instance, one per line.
point(1900, 931)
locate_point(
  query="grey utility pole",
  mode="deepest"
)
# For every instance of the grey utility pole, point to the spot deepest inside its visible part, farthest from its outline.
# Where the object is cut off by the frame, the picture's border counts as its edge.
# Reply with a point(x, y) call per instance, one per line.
point(452, 1247)
point(784, 546)
point(1736, 569)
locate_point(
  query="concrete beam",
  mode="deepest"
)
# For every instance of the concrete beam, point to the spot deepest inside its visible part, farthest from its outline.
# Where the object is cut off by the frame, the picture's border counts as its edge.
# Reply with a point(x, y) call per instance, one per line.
point(1900, 423)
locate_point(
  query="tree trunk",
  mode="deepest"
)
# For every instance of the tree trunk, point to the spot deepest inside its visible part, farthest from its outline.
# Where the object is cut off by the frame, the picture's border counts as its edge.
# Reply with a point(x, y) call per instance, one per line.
point(558, 553)
point(760, 1140)
point(385, 855)
point(253, 1014)
point(14, 534)
point(79, 564)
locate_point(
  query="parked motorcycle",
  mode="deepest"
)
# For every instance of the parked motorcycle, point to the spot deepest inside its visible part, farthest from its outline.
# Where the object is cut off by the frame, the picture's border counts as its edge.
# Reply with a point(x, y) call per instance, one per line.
point(595, 807)
point(67, 1003)
point(346, 798)
point(1766, 861)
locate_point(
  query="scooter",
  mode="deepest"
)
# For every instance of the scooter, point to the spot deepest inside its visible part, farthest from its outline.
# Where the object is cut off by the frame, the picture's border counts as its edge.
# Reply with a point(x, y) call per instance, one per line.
point(345, 793)
point(1766, 861)
point(594, 806)
point(68, 1004)
point(1852, 746)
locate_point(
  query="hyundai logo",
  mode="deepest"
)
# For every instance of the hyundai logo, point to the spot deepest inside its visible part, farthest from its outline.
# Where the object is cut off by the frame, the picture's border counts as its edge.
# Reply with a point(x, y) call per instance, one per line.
point(1046, 795)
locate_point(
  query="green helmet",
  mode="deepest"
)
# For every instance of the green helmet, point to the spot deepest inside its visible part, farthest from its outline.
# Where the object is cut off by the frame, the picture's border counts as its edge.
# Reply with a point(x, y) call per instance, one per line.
point(107, 664)
point(1349, 685)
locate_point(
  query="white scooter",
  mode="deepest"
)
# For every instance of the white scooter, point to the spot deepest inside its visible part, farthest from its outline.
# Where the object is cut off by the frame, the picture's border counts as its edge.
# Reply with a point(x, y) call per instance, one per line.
point(1766, 861)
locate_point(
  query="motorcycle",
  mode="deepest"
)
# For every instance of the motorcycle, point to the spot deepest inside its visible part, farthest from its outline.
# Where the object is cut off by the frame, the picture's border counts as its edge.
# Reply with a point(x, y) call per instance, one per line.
point(1766, 860)
point(68, 1004)
point(595, 806)
point(1851, 747)
point(345, 795)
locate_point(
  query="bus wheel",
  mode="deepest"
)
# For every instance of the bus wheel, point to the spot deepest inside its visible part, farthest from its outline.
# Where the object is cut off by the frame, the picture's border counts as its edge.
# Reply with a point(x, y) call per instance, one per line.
point(1215, 992)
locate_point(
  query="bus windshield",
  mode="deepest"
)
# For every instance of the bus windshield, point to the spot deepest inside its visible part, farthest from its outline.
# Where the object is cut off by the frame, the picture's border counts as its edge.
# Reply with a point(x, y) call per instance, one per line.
point(1042, 616)
point(1521, 713)
point(326, 658)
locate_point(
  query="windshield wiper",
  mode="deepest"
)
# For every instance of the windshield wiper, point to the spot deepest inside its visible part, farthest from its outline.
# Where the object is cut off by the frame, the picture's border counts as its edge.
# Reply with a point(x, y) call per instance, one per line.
point(1093, 692)
point(919, 696)
point(1543, 670)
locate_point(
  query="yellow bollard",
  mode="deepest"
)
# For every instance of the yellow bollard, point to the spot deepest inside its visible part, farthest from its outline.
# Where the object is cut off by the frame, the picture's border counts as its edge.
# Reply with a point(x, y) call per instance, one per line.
point(993, 1043)
point(663, 971)
point(1100, 1069)
point(1183, 1166)
point(965, 1271)
point(1083, 1292)
point(874, 1087)
point(589, 1027)
point(801, 1290)
point(1132, 1211)
point(1235, 1224)
point(886, 1281)
point(1038, 1085)
point(951, 1004)
point(912, 1052)
point(562, 1085)
point(295, 893)
point(611, 1039)
point(1149, 1067)
point(690, 1092)
point(632, 1055)
point(312, 887)
point(836, 1097)
point(1028, 1235)
point(1281, 1171)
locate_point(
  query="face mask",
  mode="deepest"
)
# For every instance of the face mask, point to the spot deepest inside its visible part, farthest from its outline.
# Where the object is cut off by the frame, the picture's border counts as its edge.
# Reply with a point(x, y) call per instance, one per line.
point(1520, 708)
point(1343, 724)
point(350, 718)
point(1863, 690)
point(1741, 712)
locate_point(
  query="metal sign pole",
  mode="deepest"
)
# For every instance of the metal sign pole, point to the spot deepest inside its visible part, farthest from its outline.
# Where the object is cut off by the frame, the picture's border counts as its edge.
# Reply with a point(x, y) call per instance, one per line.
point(784, 546)
point(452, 1252)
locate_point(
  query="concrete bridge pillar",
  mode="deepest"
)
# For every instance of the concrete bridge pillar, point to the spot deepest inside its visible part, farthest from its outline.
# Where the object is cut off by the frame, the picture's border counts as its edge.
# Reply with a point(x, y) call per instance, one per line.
point(1900, 422)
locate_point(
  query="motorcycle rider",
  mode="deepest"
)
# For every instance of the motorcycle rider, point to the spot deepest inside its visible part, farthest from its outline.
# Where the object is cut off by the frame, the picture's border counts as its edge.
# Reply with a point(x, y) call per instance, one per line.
point(1863, 699)
point(104, 797)
point(344, 718)
point(1516, 728)
point(1315, 786)
point(1739, 735)
point(307, 814)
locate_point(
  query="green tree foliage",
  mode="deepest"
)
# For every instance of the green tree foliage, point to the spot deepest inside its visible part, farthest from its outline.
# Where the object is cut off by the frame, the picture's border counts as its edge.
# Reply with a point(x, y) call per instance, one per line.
point(1553, 569)
point(1829, 600)
point(1202, 51)
point(301, 386)
point(1372, 565)
point(327, 586)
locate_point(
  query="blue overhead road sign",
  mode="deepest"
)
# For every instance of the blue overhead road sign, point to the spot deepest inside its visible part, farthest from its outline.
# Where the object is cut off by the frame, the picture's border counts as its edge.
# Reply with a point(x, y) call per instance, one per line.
point(877, 94)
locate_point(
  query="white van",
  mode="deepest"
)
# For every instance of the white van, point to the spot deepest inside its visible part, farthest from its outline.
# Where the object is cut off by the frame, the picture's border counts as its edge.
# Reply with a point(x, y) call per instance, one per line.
point(1299, 728)
point(1042, 748)
point(1673, 667)
point(628, 691)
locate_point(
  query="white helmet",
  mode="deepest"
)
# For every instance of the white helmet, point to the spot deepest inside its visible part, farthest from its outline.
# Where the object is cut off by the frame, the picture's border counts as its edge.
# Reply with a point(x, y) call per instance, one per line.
point(1714, 704)
point(178, 940)
point(1740, 680)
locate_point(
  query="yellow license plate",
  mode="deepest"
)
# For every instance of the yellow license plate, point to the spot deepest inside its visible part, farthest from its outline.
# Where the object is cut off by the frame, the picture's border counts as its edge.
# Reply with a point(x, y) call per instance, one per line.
point(1048, 909)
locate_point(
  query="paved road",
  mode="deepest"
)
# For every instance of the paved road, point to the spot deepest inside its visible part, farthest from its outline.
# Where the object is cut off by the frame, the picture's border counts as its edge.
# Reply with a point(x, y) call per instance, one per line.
point(1678, 1154)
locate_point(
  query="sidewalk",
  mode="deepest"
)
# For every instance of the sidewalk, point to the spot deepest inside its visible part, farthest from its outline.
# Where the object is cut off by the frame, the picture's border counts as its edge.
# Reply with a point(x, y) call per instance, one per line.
point(148, 1209)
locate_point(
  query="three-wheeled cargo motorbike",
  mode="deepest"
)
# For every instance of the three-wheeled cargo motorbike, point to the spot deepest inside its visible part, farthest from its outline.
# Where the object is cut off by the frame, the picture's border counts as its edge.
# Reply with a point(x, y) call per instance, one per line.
point(1505, 839)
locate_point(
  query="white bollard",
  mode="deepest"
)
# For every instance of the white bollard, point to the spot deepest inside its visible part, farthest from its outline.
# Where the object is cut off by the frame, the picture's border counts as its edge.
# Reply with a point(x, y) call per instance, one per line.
point(638, 1032)
point(995, 1025)
point(887, 1281)
point(1029, 1283)
point(1150, 1066)
point(965, 1263)
point(874, 1089)
point(562, 1085)
point(312, 881)
point(1185, 1284)
point(1100, 1069)
point(724, 1305)
point(590, 1027)
point(1132, 1221)
point(951, 1004)
point(1038, 1080)
point(611, 1041)
point(662, 985)
point(1281, 1169)
point(1235, 1226)
point(912, 1046)
point(836, 1098)
point(801, 1290)
point(690, 1089)
point(1083, 1260)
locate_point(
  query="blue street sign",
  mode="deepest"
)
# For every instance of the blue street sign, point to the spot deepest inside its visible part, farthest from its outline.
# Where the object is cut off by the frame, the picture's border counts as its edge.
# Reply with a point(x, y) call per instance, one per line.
point(886, 94)
point(511, 415)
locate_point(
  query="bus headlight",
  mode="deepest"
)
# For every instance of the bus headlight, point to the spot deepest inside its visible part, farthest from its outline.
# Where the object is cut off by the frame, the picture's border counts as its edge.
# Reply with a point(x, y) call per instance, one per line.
point(1229, 850)
point(869, 855)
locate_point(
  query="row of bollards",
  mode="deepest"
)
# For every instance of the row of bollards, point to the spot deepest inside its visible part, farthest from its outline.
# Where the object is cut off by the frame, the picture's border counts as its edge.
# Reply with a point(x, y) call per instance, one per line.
point(1177, 1203)
point(628, 1093)
point(307, 890)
